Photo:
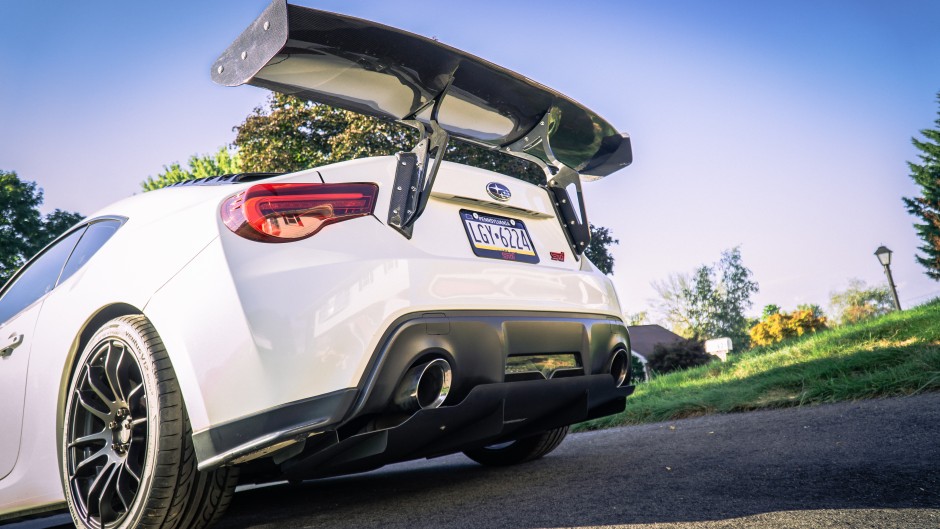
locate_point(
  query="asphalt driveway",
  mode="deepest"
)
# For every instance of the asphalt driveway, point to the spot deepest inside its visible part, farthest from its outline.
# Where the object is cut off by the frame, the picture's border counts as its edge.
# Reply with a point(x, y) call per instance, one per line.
point(865, 464)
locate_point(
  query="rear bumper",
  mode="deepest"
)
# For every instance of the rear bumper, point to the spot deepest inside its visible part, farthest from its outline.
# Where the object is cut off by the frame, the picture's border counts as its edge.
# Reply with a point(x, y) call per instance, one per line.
point(353, 429)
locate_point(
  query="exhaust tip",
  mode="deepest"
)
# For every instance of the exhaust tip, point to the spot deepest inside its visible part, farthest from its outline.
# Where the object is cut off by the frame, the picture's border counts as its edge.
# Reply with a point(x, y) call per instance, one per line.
point(426, 386)
point(619, 367)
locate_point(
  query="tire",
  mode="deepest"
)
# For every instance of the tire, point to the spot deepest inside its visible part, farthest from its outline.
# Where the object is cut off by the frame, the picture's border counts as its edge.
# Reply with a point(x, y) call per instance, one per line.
point(519, 451)
point(126, 447)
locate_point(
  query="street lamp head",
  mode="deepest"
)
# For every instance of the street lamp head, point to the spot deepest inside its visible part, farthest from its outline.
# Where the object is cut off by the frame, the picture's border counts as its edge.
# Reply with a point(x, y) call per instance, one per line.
point(884, 255)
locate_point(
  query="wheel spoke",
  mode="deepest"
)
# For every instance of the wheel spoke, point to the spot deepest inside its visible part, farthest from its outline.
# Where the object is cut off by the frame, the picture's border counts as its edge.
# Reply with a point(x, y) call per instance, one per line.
point(124, 492)
point(104, 484)
point(130, 471)
point(137, 422)
point(133, 392)
point(94, 491)
point(104, 436)
point(112, 368)
point(93, 457)
point(100, 391)
point(91, 409)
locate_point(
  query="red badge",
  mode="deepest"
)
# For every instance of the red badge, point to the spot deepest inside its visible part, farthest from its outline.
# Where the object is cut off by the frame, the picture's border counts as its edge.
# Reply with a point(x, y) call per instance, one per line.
point(557, 256)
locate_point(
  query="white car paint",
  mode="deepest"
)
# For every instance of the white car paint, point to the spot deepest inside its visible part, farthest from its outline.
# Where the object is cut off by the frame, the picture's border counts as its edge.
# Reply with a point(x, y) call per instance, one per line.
point(250, 326)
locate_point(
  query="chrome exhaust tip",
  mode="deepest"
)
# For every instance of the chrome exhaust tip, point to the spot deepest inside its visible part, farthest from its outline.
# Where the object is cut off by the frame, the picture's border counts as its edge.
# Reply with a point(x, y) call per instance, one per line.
point(619, 367)
point(425, 386)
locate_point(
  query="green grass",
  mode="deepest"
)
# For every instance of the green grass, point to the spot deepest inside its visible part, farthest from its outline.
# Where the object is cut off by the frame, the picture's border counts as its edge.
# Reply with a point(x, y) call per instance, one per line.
point(894, 355)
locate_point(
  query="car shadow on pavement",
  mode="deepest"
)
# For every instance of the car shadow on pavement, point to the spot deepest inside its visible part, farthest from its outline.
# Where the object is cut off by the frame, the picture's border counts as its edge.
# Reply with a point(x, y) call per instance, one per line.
point(879, 454)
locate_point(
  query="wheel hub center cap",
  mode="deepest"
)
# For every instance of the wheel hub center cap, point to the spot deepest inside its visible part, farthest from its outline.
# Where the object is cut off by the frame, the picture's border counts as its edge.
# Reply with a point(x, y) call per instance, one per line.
point(124, 434)
point(121, 428)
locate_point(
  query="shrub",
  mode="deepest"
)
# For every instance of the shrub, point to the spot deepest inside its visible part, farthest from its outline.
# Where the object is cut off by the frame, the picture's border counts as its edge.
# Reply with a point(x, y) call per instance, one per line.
point(780, 326)
point(678, 355)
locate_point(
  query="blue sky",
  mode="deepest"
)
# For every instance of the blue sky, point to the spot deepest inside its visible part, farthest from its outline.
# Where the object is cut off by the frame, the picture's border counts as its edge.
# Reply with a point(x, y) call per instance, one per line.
point(782, 127)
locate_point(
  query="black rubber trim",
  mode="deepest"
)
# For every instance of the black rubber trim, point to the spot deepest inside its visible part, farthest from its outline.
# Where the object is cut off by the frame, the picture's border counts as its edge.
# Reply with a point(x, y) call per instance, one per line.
point(50, 515)
point(225, 179)
point(238, 437)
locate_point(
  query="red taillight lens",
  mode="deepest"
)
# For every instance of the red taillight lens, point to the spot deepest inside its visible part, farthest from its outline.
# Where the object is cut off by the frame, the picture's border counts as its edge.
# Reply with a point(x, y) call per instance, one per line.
point(290, 212)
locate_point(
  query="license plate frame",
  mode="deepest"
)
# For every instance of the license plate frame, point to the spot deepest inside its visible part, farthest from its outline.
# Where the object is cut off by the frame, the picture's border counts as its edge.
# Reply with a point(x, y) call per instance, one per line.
point(498, 237)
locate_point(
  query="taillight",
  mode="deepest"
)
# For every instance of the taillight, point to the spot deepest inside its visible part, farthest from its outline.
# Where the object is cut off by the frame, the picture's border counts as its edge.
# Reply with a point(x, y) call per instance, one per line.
point(290, 212)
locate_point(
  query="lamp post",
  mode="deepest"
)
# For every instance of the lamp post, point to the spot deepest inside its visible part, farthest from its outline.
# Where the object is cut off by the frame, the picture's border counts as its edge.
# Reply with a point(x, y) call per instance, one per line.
point(884, 257)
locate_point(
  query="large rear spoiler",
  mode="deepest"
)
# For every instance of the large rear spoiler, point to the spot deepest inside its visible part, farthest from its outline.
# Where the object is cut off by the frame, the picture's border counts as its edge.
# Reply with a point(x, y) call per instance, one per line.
point(388, 73)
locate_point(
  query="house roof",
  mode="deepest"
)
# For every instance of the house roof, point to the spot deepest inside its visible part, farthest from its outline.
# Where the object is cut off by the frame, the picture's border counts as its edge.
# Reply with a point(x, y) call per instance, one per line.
point(643, 338)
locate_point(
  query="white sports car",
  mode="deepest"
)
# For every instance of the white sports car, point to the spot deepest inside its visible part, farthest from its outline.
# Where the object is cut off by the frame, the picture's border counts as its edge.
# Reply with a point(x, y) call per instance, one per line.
point(258, 327)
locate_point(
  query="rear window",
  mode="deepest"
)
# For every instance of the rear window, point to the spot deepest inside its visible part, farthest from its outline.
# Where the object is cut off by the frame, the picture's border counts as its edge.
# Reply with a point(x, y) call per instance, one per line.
point(59, 262)
point(38, 278)
point(94, 238)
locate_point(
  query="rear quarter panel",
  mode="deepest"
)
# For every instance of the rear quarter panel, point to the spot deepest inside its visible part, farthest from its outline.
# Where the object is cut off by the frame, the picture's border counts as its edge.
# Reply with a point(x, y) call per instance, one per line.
point(163, 232)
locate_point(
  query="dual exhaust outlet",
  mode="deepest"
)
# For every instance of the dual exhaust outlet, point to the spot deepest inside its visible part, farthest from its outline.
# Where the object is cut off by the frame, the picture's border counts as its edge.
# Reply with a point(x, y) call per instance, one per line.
point(427, 385)
point(619, 367)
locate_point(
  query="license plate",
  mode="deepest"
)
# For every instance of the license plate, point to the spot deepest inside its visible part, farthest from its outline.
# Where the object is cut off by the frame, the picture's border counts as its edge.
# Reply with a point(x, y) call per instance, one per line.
point(498, 237)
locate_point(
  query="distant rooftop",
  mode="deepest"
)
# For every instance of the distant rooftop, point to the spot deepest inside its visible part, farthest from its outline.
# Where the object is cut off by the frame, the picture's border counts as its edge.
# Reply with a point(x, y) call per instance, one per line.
point(643, 338)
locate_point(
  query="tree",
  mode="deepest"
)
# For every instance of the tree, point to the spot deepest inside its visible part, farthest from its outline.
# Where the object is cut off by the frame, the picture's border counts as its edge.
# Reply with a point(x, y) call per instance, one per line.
point(813, 308)
point(705, 302)
point(736, 288)
point(780, 326)
point(636, 318)
point(289, 134)
point(598, 249)
point(673, 305)
point(23, 230)
point(19, 221)
point(53, 225)
point(473, 155)
point(860, 302)
point(926, 207)
point(770, 310)
point(711, 303)
point(225, 161)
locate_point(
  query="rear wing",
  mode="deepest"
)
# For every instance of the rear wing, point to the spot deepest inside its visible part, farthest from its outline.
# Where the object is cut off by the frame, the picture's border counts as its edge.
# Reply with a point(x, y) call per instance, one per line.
point(388, 73)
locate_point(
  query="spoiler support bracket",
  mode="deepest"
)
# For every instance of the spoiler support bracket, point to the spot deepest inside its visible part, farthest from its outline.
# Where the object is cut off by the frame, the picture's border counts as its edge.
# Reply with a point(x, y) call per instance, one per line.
point(415, 171)
point(535, 147)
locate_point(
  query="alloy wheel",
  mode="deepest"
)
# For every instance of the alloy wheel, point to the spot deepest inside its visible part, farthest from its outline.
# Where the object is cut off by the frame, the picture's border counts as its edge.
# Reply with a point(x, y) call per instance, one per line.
point(106, 437)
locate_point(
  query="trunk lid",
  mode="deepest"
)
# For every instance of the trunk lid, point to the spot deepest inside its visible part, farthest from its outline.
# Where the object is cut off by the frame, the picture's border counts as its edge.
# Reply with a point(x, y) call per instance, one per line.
point(498, 232)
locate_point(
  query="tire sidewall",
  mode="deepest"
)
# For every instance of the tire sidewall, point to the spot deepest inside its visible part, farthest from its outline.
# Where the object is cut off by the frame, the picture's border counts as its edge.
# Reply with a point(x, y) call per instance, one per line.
point(121, 330)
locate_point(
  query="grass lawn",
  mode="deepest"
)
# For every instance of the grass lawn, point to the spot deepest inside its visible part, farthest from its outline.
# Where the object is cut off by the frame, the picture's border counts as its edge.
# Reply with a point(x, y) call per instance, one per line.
point(897, 354)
